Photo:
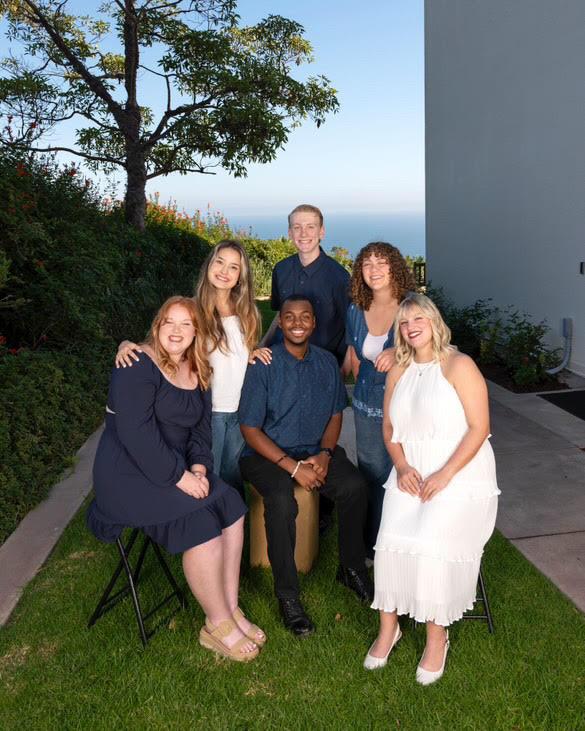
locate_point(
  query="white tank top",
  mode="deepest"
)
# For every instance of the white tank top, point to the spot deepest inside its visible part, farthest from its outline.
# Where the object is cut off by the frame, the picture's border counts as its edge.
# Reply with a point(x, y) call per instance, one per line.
point(373, 346)
point(229, 368)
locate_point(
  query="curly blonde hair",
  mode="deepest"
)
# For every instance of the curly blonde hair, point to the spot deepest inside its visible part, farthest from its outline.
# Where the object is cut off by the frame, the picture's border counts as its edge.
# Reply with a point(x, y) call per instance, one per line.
point(196, 356)
point(402, 278)
point(212, 333)
point(441, 333)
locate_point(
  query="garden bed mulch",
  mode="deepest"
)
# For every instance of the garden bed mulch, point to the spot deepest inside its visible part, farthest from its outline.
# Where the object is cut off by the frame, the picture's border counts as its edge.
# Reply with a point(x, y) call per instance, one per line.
point(573, 403)
point(498, 374)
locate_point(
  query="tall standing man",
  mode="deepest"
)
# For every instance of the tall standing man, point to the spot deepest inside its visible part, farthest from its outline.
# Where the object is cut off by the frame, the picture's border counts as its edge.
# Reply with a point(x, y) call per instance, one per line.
point(290, 416)
point(314, 274)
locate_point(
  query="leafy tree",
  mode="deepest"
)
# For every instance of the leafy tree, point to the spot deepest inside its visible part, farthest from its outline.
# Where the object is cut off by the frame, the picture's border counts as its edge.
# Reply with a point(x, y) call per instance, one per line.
point(226, 92)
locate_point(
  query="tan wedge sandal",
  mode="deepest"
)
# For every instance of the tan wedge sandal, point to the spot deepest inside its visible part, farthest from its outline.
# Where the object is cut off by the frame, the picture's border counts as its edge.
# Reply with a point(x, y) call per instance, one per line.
point(253, 632)
point(211, 637)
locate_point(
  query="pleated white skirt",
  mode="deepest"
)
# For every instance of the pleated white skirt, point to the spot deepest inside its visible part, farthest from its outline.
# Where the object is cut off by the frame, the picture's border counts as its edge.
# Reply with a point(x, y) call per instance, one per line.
point(427, 555)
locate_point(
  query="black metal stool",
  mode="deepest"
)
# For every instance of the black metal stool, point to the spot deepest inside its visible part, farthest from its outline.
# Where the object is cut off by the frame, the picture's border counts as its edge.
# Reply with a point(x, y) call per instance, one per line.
point(109, 600)
point(482, 597)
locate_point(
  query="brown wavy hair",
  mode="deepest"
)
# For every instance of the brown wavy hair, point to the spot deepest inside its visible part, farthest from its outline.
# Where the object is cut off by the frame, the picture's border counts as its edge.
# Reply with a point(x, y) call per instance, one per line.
point(196, 356)
point(400, 274)
point(211, 332)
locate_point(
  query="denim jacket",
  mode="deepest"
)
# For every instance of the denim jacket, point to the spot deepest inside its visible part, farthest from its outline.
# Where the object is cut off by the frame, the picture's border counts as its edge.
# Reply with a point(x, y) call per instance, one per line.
point(368, 395)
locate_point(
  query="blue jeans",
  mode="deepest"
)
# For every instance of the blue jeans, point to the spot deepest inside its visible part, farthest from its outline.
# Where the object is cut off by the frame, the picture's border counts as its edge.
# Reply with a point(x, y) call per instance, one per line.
point(375, 464)
point(227, 444)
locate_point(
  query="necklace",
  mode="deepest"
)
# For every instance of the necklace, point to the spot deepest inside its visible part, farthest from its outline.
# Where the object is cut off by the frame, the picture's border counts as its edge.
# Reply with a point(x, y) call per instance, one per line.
point(420, 368)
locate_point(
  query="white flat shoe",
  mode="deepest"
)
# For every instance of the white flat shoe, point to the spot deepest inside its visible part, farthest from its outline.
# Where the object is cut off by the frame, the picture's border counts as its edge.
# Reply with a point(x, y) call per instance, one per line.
point(426, 677)
point(373, 663)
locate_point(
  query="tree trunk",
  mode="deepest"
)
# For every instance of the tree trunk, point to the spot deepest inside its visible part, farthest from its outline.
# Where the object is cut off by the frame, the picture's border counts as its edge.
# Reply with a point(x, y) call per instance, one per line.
point(135, 200)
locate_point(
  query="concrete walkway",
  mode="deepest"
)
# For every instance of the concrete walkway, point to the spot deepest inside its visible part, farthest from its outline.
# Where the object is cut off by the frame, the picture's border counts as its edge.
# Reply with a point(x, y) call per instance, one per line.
point(540, 453)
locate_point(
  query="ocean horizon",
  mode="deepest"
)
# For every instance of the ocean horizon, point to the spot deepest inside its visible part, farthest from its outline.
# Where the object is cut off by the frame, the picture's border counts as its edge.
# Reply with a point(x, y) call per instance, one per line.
point(349, 230)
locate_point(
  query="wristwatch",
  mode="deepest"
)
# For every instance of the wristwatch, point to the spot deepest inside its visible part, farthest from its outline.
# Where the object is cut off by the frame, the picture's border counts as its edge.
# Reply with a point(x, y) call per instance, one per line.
point(329, 451)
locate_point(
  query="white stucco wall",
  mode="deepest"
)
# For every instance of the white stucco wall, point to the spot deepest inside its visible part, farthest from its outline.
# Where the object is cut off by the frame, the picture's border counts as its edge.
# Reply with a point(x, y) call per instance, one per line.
point(505, 156)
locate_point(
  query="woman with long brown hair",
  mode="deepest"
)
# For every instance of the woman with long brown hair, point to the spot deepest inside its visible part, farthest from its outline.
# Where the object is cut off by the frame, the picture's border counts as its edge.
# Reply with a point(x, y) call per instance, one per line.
point(229, 331)
point(154, 470)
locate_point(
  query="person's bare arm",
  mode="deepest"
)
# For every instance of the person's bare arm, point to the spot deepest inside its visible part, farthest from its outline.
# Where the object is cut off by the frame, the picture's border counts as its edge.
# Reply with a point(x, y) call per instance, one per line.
point(471, 388)
point(408, 477)
point(305, 475)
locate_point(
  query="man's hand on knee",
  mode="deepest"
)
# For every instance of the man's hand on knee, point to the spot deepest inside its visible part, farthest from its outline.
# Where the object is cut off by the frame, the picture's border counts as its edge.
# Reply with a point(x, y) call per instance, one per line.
point(320, 463)
point(307, 477)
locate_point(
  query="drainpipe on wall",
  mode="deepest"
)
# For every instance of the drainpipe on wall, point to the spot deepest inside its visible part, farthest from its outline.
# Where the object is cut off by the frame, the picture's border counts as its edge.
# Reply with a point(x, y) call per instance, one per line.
point(567, 335)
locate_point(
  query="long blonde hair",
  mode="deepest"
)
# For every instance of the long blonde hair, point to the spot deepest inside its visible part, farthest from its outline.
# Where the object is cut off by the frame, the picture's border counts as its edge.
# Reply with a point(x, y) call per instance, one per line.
point(441, 334)
point(211, 333)
point(196, 357)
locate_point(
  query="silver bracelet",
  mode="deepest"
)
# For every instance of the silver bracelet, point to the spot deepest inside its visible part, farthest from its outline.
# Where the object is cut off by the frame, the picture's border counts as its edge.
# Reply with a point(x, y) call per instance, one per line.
point(296, 469)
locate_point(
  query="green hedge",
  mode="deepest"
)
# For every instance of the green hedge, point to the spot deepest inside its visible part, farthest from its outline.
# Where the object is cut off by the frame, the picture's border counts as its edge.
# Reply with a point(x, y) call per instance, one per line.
point(50, 403)
point(74, 280)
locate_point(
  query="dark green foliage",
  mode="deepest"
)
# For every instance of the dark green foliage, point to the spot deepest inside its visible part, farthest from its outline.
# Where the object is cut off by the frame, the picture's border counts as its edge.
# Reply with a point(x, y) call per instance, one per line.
point(74, 281)
point(264, 255)
point(495, 336)
point(50, 403)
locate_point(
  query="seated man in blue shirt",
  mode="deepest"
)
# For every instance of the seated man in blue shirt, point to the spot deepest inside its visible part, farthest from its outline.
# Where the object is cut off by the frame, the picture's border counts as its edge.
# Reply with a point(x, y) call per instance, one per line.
point(290, 416)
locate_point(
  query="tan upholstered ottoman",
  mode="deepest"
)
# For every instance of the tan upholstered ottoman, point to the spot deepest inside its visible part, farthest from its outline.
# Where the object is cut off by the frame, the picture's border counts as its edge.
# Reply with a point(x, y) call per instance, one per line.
point(307, 544)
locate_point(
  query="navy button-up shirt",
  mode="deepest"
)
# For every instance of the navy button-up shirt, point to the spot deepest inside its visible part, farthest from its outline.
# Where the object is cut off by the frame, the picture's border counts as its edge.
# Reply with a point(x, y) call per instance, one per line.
point(326, 283)
point(293, 400)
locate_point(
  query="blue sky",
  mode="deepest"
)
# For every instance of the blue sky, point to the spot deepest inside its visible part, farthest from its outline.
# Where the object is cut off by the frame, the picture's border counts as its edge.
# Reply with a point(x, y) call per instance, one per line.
point(367, 158)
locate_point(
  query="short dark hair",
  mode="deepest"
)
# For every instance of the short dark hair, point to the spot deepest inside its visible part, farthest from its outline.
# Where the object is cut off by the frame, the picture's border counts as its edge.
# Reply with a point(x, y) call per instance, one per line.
point(297, 298)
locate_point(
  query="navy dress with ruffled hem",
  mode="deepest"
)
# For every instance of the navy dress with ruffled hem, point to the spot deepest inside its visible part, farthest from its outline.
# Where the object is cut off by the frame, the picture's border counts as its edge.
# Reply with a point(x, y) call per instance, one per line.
point(154, 432)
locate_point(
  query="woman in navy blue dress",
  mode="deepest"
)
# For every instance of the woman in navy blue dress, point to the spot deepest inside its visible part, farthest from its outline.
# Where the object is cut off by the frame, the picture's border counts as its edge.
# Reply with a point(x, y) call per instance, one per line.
point(154, 470)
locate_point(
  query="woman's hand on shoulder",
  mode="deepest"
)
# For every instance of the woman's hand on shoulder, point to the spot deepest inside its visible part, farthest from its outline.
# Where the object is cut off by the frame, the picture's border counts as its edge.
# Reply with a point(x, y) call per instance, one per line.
point(385, 360)
point(194, 484)
point(263, 354)
point(127, 353)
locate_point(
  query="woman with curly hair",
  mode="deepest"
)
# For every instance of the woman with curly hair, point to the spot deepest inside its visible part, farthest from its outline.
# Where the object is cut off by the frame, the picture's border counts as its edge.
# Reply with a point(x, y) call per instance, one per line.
point(441, 497)
point(379, 282)
point(229, 329)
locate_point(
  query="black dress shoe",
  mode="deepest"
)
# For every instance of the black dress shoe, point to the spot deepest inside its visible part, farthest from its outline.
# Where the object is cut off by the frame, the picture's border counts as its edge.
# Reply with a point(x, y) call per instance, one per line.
point(295, 618)
point(358, 581)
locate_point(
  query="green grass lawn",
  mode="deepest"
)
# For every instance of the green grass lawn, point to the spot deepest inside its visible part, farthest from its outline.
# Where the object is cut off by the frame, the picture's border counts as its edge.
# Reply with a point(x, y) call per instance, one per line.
point(56, 674)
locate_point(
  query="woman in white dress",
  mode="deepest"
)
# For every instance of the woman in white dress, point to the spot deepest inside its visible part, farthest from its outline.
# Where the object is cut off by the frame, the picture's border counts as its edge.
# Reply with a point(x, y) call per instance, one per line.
point(441, 496)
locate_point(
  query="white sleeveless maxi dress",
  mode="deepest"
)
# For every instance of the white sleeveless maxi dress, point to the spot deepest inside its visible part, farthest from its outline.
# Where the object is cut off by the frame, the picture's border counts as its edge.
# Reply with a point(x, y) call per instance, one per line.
point(427, 555)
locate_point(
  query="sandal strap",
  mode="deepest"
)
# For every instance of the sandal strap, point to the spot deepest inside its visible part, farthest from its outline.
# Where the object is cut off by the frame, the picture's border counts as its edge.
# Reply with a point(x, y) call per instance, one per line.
point(254, 629)
point(221, 630)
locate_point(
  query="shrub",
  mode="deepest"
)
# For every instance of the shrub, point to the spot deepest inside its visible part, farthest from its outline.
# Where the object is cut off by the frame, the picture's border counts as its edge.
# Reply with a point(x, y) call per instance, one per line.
point(496, 336)
point(50, 403)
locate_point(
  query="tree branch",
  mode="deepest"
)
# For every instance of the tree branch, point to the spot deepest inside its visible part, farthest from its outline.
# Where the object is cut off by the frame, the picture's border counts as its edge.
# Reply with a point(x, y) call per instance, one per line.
point(184, 109)
point(85, 156)
point(94, 84)
point(167, 171)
